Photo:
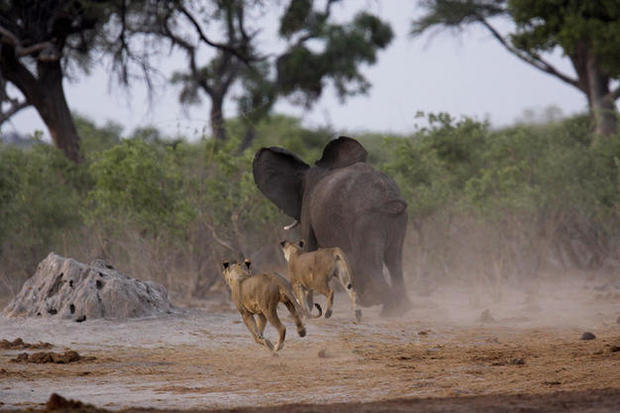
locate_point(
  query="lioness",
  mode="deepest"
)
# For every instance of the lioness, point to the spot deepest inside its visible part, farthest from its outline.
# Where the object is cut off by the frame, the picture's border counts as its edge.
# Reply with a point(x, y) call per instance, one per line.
point(260, 295)
point(312, 271)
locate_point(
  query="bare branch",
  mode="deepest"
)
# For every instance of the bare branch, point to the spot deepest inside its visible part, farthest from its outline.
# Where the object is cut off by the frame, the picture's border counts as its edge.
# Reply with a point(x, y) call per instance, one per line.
point(9, 38)
point(218, 239)
point(531, 59)
point(203, 37)
point(15, 107)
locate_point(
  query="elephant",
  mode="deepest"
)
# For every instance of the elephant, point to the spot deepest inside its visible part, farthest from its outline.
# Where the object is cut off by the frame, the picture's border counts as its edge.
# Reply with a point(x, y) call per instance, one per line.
point(343, 202)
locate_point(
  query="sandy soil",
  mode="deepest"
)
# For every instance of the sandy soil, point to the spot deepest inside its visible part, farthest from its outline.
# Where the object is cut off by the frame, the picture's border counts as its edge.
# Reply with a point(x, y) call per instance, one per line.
point(527, 354)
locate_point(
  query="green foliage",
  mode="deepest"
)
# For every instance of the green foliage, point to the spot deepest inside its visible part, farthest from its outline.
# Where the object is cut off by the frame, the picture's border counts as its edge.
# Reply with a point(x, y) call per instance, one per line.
point(463, 165)
point(344, 48)
point(587, 32)
point(139, 184)
point(150, 204)
point(97, 139)
point(543, 25)
point(287, 132)
point(38, 199)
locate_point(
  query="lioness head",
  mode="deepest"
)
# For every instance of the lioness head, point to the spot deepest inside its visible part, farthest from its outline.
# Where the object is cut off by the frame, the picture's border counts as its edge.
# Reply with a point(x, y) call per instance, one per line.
point(288, 248)
point(234, 271)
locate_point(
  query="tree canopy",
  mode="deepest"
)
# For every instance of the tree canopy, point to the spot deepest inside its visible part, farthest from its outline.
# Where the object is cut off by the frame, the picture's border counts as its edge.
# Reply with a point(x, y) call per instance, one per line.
point(587, 32)
point(300, 71)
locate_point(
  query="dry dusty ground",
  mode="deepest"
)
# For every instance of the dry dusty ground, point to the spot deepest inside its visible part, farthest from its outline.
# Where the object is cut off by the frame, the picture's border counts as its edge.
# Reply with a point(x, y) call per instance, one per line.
point(526, 356)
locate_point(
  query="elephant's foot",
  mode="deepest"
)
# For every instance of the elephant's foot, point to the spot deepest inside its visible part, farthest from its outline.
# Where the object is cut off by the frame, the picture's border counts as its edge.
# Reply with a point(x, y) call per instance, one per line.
point(396, 307)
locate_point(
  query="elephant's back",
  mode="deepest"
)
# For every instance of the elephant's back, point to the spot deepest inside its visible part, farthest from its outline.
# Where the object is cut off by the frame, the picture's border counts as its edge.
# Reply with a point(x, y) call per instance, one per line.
point(358, 188)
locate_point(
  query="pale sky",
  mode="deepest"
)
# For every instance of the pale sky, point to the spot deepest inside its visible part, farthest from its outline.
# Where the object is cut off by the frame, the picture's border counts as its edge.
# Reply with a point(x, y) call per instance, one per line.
point(462, 74)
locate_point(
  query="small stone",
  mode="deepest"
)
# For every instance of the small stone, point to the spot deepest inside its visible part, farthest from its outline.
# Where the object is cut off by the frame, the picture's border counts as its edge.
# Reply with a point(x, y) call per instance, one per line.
point(322, 353)
point(486, 316)
point(588, 336)
point(517, 361)
point(57, 402)
point(20, 357)
point(618, 320)
point(614, 348)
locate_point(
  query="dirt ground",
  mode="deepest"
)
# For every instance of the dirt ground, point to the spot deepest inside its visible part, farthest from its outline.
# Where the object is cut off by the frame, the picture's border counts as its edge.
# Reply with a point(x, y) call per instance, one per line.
point(526, 353)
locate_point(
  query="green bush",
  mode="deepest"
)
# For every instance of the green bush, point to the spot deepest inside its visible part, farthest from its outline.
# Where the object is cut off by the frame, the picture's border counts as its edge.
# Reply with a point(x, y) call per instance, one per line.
point(39, 204)
point(170, 210)
point(138, 184)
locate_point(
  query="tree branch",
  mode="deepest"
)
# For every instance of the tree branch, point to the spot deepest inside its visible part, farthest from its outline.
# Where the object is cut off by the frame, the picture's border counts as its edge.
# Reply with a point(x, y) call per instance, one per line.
point(218, 239)
point(21, 51)
point(529, 58)
point(191, 53)
point(16, 106)
point(203, 37)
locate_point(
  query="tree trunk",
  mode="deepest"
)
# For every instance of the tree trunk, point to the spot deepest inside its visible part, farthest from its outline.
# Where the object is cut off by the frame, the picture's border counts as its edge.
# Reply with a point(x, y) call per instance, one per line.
point(55, 112)
point(248, 138)
point(46, 94)
point(218, 130)
point(601, 102)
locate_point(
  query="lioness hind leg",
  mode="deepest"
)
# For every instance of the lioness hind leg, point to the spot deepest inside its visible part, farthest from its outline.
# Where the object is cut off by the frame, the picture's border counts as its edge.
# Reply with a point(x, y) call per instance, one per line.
point(330, 303)
point(345, 280)
point(250, 323)
point(300, 293)
point(261, 323)
point(272, 317)
point(301, 330)
point(309, 297)
point(327, 291)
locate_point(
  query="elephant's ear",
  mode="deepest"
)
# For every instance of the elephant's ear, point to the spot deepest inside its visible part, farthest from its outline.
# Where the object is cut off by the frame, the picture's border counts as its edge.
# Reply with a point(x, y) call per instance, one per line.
point(279, 175)
point(342, 152)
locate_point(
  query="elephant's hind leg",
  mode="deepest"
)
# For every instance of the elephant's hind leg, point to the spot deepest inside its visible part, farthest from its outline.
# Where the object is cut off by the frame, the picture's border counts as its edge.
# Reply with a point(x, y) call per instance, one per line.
point(393, 258)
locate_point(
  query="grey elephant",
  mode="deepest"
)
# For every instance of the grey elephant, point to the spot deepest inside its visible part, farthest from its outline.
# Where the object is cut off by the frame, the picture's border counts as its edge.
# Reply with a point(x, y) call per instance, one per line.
point(344, 202)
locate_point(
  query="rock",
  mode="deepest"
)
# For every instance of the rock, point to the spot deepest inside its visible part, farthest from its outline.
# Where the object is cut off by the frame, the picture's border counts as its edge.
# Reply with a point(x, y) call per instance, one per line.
point(57, 402)
point(19, 344)
point(618, 320)
point(48, 357)
point(67, 289)
point(322, 353)
point(588, 336)
point(615, 348)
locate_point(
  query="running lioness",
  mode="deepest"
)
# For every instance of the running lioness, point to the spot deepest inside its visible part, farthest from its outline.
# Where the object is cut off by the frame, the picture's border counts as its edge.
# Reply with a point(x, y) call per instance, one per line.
point(312, 271)
point(260, 295)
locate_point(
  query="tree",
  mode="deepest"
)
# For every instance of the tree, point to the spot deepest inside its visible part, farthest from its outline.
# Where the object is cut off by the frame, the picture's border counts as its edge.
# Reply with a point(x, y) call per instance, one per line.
point(40, 40)
point(216, 77)
point(300, 71)
point(35, 37)
point(588, 33)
